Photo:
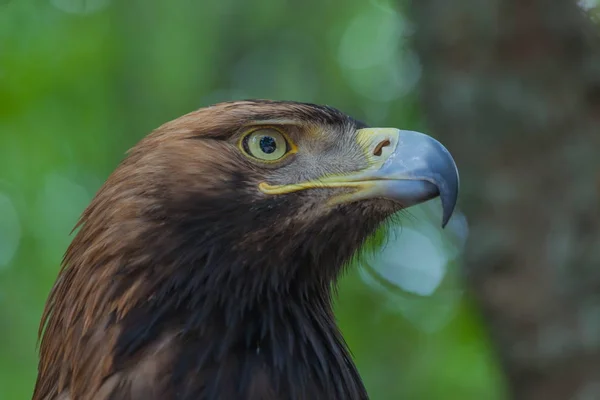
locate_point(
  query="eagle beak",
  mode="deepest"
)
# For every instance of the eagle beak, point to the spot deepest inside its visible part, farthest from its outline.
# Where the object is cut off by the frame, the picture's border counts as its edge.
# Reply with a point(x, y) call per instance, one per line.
point(404, 166)
point(408, 167)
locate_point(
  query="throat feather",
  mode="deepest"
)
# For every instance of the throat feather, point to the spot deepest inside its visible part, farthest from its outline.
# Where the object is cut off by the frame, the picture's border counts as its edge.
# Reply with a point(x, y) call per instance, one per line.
point(286, 344)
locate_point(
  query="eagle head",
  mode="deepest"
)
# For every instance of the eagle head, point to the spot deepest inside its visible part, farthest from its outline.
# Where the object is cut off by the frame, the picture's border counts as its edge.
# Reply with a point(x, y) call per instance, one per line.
point(204, 266)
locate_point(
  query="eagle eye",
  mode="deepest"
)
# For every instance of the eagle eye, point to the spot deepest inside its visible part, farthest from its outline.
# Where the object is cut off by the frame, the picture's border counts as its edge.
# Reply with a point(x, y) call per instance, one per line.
point(266, 144)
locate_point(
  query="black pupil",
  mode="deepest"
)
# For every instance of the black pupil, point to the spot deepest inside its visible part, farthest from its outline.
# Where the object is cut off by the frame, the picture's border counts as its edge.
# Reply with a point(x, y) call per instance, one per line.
point(267, 144)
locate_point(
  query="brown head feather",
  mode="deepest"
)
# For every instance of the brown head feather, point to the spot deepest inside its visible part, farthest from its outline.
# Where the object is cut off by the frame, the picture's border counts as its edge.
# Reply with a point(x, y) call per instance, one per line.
point(185, 281)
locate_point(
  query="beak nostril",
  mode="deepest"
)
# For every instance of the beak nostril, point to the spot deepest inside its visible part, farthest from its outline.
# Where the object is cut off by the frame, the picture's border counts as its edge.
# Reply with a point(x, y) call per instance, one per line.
point(377, 150)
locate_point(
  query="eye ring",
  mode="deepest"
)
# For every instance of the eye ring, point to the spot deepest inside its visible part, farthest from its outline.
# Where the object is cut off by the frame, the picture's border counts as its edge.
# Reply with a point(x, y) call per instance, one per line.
point(267, 144)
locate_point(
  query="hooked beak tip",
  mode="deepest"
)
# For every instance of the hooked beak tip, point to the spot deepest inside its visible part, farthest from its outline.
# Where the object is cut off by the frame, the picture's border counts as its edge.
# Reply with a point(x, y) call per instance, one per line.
point(418, 169)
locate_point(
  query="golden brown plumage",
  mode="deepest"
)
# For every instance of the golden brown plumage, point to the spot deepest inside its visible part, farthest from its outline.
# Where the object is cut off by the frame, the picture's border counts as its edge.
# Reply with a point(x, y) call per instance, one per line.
point(202, 272)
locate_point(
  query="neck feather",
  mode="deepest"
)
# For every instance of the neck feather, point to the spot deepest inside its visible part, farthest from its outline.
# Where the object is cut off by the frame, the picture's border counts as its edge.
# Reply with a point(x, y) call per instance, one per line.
point(265, 338)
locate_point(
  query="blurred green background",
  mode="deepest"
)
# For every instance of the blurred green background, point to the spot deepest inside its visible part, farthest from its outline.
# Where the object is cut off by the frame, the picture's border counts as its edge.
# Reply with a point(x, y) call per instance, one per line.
point(83, 81)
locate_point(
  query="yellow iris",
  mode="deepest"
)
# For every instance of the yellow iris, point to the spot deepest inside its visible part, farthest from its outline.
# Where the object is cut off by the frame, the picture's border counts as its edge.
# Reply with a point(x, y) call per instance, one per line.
point(266, 144)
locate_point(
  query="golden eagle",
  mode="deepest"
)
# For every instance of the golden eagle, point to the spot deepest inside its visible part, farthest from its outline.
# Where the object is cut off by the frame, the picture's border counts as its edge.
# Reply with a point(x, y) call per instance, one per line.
point(204, 267)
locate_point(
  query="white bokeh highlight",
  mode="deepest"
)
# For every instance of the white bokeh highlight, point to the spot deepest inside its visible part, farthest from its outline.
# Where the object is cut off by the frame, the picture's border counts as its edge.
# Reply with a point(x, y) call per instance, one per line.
point(411, 268)
point(372, 52)
point(413, 262)
point(58, 208)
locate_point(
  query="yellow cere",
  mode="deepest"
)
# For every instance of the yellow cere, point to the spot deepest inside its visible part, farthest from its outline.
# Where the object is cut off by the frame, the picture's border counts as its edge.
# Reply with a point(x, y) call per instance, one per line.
point(369, 140)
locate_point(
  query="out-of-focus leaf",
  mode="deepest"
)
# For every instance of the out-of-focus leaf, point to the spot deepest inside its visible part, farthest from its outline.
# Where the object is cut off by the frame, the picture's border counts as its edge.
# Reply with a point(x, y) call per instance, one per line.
point(10, 230)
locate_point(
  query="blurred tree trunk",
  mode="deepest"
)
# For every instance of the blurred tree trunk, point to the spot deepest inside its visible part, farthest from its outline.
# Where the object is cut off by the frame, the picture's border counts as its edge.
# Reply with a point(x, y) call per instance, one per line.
point(512, 87)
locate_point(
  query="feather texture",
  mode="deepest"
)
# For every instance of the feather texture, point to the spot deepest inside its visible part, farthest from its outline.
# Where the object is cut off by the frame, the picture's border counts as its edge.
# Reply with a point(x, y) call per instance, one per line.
point(185, 282)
